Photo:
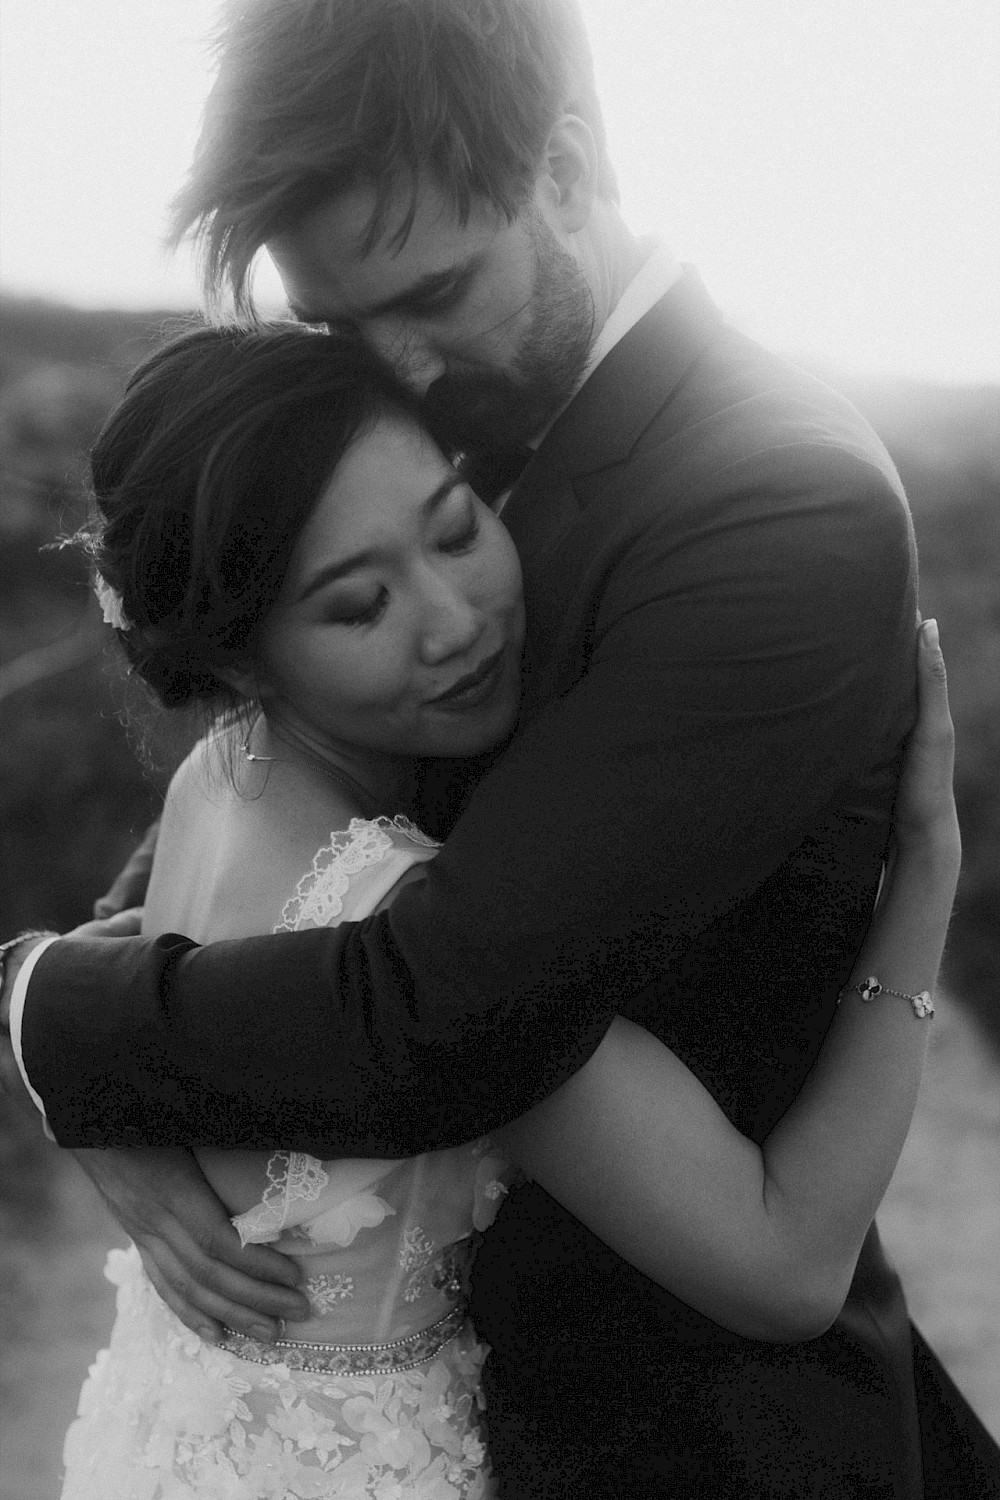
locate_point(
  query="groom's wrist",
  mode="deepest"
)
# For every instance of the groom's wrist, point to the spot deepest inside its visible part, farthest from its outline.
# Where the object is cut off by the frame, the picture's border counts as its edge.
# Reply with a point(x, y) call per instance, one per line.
point(13, 954)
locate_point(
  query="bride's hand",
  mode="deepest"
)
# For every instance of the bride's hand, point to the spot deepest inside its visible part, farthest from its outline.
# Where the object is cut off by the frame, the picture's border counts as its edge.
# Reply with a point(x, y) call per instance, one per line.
point(924, 811)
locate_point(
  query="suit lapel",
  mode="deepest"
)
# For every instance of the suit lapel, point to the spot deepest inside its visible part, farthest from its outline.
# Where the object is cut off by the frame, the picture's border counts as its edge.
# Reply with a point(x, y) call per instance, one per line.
point(608, 415)
point(634, 382)
point(601, 427)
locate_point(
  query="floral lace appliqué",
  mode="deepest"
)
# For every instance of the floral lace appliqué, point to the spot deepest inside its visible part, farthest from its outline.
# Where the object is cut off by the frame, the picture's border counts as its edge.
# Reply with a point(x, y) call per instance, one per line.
point(292, 1177)
point(164, 1416)
point(340, 1225)
point(319, 896)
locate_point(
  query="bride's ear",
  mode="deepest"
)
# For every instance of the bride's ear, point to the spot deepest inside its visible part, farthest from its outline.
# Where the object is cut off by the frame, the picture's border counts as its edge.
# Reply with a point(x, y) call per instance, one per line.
point(242, 680)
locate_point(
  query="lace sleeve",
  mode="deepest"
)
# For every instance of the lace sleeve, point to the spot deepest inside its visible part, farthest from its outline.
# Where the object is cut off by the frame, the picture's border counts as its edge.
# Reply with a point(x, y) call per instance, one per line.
point(320, 896)
point(292, 1176)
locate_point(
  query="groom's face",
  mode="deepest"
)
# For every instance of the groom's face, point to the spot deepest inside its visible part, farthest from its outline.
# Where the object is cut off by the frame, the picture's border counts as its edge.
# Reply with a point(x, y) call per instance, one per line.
point(489, 321)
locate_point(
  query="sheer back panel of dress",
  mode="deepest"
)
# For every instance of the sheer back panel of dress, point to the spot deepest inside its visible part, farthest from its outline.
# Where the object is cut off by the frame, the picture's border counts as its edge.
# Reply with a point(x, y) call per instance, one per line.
point(384, 1246)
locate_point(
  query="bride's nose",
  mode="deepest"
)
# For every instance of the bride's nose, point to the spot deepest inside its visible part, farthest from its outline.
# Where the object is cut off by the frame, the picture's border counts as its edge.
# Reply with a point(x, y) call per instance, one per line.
point(451, 620)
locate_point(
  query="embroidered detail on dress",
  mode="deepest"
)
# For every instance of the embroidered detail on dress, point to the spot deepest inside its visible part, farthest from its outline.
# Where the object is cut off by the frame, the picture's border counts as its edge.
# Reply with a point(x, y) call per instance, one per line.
point(324, 1292)
point(292, 1177)
point(415, 1255)
point(319, 896)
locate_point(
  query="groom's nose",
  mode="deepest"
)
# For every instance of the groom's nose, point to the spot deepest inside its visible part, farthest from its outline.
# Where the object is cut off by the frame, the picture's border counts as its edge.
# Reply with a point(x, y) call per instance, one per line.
point(408, 350)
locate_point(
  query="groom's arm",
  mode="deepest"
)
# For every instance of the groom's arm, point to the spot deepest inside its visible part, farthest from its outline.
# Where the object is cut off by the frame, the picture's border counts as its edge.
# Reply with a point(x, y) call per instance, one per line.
point(740, 666)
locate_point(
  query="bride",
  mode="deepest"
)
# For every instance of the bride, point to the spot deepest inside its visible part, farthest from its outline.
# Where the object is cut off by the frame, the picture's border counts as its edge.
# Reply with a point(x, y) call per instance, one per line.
point(279, 541)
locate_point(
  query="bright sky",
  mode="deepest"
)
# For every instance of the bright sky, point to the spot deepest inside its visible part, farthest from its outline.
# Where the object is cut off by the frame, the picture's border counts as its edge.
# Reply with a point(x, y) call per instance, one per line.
point(829, 165)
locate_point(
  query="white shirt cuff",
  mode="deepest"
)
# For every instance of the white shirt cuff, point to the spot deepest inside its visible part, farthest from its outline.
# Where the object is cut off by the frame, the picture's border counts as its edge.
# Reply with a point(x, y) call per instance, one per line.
point(17, 999)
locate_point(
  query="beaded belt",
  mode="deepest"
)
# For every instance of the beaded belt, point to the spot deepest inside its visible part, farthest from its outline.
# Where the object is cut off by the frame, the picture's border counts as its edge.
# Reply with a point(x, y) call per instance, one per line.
point(350, 1359)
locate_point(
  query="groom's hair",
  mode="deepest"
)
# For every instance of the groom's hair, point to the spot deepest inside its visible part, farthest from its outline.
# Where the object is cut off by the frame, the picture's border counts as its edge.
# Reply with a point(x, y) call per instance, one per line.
point(315, 97)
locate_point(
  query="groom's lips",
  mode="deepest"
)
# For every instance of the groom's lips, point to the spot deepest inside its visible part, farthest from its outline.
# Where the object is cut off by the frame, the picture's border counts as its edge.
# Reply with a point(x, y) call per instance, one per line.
point(476, 686)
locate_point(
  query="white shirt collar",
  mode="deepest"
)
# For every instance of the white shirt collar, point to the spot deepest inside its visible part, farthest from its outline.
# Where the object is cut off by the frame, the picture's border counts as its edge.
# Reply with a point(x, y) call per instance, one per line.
point(652, 281)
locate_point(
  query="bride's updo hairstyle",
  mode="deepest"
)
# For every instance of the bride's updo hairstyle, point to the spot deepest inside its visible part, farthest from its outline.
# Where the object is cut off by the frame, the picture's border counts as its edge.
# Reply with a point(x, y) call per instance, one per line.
point(204, 476)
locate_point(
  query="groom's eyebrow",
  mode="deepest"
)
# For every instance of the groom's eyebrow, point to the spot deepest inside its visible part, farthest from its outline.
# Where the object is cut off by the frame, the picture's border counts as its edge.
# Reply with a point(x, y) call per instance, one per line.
point(368, 555)
point(424, 289)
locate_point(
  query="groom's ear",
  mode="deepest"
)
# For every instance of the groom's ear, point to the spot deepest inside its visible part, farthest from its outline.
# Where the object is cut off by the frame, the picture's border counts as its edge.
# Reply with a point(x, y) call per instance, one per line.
point(569, 177)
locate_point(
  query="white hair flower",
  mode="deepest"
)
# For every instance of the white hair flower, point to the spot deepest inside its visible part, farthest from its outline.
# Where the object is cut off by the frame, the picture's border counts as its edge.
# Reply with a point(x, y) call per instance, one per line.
point(112, 608)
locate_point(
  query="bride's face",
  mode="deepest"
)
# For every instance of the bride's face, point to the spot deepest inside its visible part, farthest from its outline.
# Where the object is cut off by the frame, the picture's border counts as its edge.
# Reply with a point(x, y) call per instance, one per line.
point(399, 624)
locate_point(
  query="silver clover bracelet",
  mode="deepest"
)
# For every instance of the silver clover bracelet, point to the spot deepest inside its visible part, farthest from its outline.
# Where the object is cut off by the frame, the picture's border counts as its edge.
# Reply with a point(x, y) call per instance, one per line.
point(870, 988)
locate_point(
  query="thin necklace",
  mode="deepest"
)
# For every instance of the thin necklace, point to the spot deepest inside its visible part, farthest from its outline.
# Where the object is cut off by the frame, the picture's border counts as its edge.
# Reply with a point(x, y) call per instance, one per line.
point(343, 778)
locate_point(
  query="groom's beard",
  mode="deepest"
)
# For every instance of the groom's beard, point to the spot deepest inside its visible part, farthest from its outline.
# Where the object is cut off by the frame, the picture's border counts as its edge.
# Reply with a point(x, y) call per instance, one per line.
point(473, 407)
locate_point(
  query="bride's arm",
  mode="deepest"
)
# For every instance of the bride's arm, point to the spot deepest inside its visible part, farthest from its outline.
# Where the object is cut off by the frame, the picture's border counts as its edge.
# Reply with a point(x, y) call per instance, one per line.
point(764, 1239)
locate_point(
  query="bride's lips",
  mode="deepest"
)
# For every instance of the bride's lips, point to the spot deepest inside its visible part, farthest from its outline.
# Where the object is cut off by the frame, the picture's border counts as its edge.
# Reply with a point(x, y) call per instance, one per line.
point(475, 687)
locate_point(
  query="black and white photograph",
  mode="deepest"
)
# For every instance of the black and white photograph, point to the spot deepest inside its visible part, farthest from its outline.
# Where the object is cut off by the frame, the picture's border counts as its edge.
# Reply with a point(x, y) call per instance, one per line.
point(500, 733)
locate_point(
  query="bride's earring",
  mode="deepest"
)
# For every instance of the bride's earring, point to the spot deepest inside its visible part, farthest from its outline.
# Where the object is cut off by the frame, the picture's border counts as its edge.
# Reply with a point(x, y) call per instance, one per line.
point(248, 753)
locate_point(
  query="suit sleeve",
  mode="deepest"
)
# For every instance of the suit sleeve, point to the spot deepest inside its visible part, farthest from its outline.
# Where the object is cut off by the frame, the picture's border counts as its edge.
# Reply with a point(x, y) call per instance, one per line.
point(742, 659)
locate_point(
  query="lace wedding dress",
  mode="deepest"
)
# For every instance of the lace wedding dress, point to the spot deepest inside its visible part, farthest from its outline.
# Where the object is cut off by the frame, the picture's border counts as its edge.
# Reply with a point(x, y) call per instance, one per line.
point(377, 1396)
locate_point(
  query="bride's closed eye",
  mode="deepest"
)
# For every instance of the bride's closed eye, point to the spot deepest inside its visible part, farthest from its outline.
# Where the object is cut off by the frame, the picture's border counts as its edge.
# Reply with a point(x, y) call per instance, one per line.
point(354, 612)
point(464, 539)
point(460, 521)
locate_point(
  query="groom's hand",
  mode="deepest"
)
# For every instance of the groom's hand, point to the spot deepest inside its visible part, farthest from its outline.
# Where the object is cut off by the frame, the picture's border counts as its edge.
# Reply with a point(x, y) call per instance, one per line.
point(129, 888)
point(122, 924)
point(190, 1250)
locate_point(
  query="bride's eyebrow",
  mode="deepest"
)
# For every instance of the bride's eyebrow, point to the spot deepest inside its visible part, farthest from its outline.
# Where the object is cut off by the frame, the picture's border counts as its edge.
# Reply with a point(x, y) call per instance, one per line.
point(367, 555)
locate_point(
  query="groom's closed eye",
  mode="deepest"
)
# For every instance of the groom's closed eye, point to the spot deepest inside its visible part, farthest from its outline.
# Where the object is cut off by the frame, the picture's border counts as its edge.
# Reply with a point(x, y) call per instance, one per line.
point(435, 299)
point(437, 292)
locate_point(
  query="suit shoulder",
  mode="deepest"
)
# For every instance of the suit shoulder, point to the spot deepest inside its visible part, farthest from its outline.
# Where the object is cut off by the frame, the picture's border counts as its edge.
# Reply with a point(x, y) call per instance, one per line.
point(769, 404)
point(751, 436)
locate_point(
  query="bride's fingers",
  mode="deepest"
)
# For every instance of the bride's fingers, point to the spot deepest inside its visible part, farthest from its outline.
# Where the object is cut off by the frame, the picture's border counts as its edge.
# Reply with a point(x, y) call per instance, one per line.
point(263, 1265)
point(191, 1252)
point(250, 1286)
point(925, 798)
point(210, 1246)
point(122, 924)
point(217, 1267)
point(934, 718)
point(207, 1294)
point(192, 1317)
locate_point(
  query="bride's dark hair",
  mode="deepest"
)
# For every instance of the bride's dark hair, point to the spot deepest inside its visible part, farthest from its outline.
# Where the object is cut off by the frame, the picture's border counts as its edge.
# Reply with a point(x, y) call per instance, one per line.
point(203, 477)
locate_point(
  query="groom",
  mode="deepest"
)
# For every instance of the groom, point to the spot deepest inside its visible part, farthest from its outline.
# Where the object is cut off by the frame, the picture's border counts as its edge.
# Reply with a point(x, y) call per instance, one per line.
point(688, 824)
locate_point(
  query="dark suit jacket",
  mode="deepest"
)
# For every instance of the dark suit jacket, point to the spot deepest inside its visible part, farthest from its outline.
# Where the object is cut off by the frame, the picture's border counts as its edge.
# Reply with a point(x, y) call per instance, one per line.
point(687, 827)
